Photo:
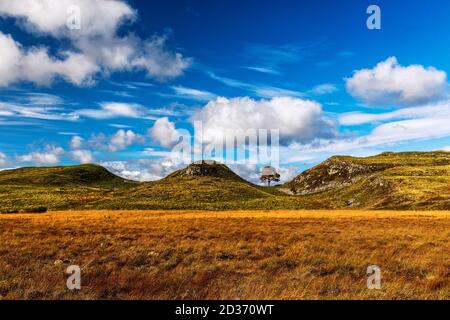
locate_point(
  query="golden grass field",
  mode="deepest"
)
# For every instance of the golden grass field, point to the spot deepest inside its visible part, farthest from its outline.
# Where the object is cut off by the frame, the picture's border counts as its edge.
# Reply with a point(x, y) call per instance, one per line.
point(225, 255)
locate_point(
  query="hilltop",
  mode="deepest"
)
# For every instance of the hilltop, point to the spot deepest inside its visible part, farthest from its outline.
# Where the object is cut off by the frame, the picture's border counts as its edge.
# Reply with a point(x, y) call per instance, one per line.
point(408, 180)
point(201, 185)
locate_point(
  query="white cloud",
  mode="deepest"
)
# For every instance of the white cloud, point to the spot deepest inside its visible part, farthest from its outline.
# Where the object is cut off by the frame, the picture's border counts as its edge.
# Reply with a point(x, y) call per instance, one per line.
point(155, 153)
point(263, 70)
point(263, 91)
point(193, 94)
point(407, 130)
point(122, 139)
point(82, 156)
point(110, 110)
point(164, 132)
point(35, 65)
point(50, 155)
point(447, 148)
point(10, 109)
point(273, 92)
point(159, 62)
point(384, 135)
point(40, 99)
point(436, 110)
point(3, 159)
point(96, 48)
point(51, 16)
point(390, 83)
point(143, 169)
point(325, 88)
point(76, 142)
point(296, 119)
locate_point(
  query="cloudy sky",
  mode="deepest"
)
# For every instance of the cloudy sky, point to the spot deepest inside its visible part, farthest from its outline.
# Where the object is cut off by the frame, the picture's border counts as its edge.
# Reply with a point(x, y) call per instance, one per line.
point(137, 73)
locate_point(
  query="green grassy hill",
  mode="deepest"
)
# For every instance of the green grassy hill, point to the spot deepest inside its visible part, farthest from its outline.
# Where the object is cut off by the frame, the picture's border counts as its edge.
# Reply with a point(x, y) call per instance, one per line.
point(88, 174)
point(198, 186)
point(39, 188)
point(406, 180)
point(413, 180)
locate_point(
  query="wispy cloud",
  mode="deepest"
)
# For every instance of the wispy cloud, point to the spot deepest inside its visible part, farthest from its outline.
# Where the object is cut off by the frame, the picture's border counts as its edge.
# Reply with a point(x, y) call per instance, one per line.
point(110, 110)
point(36, 112)
point(273, 55)
point(322, 89)
point(194, 94)
point(271, 92)
point(261, 90)
point(264, 70)
point(119, 126)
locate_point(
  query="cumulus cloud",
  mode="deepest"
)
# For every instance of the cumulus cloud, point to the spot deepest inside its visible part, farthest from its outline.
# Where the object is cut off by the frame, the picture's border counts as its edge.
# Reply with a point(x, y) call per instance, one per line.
point(296, 119)
point(123, 139)
point(51, 155)
point(76, 142)
point(390, 83)
point(50, 16)
point(159, 62)
point(143, 169)
point(82, 156)
point(96, 48)
point(164, 133)
point(37, 66)
point(3, 159)
point(79, 154)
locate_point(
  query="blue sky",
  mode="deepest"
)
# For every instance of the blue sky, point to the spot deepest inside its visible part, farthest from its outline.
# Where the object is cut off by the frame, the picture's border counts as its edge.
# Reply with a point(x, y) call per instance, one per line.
point(136, 72)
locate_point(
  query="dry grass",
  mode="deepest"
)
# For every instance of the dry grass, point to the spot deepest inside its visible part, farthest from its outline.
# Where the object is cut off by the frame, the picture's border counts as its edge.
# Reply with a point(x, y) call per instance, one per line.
point(225, 255)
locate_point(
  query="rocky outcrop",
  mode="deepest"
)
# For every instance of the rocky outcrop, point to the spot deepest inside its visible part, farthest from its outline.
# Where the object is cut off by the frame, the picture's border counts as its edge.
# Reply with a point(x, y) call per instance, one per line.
point(334, 173)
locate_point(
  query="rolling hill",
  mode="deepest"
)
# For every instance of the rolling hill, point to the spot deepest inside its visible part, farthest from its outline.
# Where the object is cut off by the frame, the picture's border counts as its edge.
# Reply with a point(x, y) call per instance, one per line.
point(406, 180)
point(410, 180)
point(36, 189)
point(207, 185)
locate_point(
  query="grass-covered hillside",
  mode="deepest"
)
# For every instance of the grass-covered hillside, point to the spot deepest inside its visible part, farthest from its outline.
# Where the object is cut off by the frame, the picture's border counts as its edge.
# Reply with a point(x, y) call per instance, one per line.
point(41, 188)
point(414, 180)
point(407, 180)
point(199, 186)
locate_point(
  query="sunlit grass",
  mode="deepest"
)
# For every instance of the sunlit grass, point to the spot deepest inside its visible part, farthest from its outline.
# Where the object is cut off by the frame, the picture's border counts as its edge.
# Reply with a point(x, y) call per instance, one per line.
point(226, 255)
